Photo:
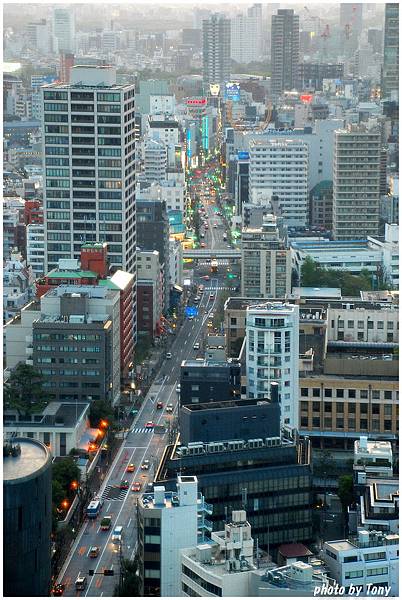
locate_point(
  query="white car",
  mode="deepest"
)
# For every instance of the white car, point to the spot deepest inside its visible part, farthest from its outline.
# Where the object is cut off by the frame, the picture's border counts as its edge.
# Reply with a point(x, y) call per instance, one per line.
point(169, 407)
point(168, 355)
point(178, 388)
point(196, 346)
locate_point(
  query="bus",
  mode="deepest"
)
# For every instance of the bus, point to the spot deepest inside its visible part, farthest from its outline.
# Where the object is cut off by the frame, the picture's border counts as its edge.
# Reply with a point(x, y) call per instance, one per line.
point(214, 265)
point(93, 509)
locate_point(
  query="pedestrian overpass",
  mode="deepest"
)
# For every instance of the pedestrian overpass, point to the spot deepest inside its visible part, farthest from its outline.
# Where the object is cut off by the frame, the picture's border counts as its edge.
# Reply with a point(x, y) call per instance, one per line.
point(207, 254)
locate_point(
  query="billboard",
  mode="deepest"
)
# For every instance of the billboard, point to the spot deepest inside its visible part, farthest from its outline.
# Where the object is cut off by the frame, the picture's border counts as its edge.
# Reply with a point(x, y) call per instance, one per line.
point(214, 89)
point(232, 91)
point(197, 102)
point(243, 155)
point(205, 133)
point(306, 98)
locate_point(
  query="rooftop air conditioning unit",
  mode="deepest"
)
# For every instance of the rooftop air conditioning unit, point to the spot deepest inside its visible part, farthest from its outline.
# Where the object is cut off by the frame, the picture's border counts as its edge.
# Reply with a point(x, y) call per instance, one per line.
point(215, 447)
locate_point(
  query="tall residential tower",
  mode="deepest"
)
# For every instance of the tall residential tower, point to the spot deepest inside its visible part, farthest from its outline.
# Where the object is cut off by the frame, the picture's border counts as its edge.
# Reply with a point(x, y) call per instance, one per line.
point(216, 50)
point(285, 45)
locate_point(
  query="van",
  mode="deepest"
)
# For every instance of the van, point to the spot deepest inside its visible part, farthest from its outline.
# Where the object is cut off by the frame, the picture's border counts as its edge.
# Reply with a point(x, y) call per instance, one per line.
point(117, 534)
point(80, 583)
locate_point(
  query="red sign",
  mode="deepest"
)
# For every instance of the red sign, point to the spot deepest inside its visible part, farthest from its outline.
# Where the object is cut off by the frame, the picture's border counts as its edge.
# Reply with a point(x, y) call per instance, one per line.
point(307, 98)
point(197, 102)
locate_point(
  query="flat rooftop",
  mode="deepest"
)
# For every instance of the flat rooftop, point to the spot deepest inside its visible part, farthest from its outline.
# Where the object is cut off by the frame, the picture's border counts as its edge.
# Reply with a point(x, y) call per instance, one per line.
point(33, 458)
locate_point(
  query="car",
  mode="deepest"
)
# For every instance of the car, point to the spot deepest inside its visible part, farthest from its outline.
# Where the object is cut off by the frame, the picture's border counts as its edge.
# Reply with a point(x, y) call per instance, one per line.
point(210, 324)
point(124, 485)
point(200, 289)
point(168, 355)
point(159, 405)
point(203, 245)
point(80, 584)
point(196, 346)
point(94, 551)
point(212, 296)
point(145, 465)
point(206, 277)
point(197, 299)
point(190, 317)
point(211, 315)
point(169, 407)
point(130, 468)
point(215, 225)
point(137, 486)
point(58, 589)
point(149, 425)
point(202, 235)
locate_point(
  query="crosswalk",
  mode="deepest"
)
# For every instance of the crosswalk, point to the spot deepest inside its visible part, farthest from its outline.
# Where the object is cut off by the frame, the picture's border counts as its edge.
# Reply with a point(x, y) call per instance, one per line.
point(219, 288)
point(142, 430)
point(223, 262)
point(114, 493)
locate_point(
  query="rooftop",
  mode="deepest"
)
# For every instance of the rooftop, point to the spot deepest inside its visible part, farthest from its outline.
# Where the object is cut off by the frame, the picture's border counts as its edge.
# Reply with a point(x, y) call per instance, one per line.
point(317, 292)
point(56, 414)
point(33, 458)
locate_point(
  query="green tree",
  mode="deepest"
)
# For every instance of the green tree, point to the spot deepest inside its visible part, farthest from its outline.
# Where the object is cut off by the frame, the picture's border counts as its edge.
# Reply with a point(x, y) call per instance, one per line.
point(313, 275)
point(99, 410)
point(24, 391)
point(58, 492)
point(65, 472)
point(130, 585)
point(345, 491)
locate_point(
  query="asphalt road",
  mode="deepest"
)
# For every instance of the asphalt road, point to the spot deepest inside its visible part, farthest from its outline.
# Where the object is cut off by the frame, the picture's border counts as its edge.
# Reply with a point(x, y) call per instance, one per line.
point(140, 444)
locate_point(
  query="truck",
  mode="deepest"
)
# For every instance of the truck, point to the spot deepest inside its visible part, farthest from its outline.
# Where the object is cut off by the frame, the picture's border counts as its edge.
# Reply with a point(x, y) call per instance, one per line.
point(105, 523)
point(93, 509)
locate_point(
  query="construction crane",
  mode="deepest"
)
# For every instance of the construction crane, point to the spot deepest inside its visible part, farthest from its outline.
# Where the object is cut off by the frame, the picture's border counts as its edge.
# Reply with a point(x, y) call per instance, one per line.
point(325, 35)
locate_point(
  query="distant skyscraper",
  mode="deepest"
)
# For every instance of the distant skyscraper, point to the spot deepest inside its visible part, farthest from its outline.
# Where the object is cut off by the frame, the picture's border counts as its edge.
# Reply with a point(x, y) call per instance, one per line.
point(285, 45)
point(357, 180)
point(245, 42)
point(64, 29)
point(390, 71)
point(66, 64)
point(89, 190)
point(216, 50)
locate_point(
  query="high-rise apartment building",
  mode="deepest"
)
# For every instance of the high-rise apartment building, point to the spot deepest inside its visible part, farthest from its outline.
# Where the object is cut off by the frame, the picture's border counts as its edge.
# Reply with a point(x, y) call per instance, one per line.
point(89, 188)
point(272, 355)
point(285, 46)
point(216, 49)
point(357, 179)
point(155, 161)
point(266, 262)
point(390, 70)
point(64, 29)
point(245, 36)
point(280, 167)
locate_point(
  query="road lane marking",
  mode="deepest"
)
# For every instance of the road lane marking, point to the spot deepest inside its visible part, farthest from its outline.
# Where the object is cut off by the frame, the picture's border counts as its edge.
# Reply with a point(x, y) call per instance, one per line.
point(98, 582)
point(81, 551)
point(108, 508)
point(128, 524)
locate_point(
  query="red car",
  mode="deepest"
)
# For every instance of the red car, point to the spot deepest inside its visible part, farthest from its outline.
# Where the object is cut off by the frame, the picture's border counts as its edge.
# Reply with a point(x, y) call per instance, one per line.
point(58, 589)
point(159, 405)
point(136, 487)
point(124, 485)
point(149, 425)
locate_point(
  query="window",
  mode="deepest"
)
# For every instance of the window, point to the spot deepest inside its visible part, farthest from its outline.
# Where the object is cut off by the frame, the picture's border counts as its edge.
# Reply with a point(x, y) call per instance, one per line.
point(316, 392)
point(328, 393)
point(375, 409)
point(388, 395)
point(377, 571)
point(316, 407)
point(363, 394)
point(360, 324)
point(339, 423)
point(340, 393)
point(363, 424)
point(351, 324)
point(353, 574)
point(316, 422)
point(349, 559)
point(328, 407)
point(304, 406)
point(340, 407)
point(388, 410)
point(380, 324)
point(304, 392)
point(304, 421)
point(388, 425)
point(352, 393)
point(375, 556)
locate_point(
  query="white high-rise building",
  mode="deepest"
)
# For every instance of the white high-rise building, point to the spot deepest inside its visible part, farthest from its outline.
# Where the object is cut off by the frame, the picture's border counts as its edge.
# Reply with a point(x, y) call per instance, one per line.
point(89, 149)
point(167, 523)
point(64, 29)
point(245, 36)
point(281, 168)
point(36, 248)
point(272, 355)
point(155, 161)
